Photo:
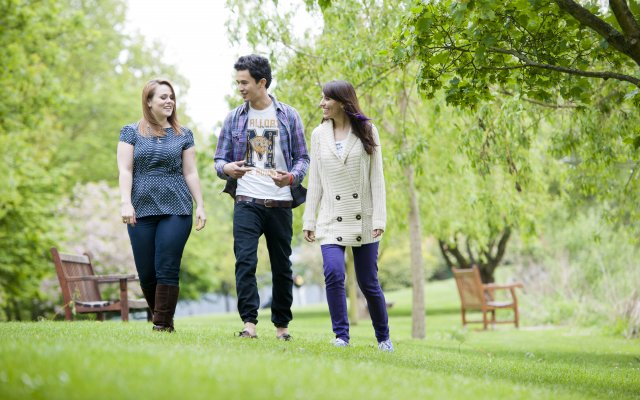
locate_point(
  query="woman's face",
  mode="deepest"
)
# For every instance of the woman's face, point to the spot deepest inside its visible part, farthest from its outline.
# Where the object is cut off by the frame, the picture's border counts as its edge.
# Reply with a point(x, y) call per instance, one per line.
point(162, 102)
point(330, 107)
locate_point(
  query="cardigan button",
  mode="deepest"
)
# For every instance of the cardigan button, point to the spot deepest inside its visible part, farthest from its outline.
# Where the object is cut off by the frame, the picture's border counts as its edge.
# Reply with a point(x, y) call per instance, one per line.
point(355, 195)
point(359, 238)
point(338, 197)
point(339, 219)
point(358, 217)
point(339, 238)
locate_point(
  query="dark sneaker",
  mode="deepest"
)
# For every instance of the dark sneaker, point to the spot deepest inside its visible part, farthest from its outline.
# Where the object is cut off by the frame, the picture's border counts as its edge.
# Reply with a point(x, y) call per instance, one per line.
point(285, 336)
point(162, 328)
point(247, 335)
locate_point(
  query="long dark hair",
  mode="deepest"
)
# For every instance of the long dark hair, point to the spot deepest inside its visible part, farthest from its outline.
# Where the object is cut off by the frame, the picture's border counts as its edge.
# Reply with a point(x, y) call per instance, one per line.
point(344, 92)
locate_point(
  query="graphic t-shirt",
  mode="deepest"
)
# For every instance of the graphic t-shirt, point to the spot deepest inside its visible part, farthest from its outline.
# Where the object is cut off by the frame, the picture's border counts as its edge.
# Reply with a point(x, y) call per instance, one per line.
point(264, 155)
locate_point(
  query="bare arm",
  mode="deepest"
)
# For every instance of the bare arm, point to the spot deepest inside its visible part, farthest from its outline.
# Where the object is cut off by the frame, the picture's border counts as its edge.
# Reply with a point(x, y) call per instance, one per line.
point(125, 180)
point(190, 173)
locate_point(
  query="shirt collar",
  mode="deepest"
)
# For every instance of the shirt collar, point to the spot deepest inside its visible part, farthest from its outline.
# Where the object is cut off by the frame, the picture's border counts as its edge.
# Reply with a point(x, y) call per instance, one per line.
point(276, 104)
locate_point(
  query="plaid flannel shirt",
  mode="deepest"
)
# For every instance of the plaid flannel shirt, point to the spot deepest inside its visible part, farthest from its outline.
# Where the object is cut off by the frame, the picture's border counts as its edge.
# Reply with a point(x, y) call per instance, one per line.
point(232, 142)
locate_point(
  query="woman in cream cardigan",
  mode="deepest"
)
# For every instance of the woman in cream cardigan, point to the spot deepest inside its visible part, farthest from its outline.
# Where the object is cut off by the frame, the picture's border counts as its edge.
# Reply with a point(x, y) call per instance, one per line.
point(346, 206)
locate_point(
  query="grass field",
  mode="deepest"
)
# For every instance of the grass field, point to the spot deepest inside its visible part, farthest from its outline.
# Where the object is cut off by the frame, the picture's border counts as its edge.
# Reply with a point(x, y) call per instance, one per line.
point(203, 360)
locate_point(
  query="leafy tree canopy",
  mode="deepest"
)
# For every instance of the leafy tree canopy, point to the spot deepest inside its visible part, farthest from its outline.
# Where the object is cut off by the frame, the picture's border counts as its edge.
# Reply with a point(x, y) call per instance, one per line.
point(543, 50)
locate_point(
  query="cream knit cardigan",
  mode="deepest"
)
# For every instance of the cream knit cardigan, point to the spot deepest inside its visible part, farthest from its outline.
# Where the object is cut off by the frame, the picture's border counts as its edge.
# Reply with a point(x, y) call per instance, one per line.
point(349, 190)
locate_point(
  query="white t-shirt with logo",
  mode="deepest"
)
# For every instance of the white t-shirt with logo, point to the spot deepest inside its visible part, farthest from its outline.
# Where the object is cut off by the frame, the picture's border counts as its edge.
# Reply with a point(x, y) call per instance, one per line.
point(264, 155)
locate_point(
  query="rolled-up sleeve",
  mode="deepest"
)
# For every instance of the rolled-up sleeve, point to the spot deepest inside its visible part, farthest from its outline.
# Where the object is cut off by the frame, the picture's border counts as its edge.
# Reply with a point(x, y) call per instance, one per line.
point(299, 153)
point(224, 149)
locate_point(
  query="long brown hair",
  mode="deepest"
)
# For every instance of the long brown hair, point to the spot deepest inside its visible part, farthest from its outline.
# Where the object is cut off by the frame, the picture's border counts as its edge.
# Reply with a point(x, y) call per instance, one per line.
point(149, 125)
point(344, 92)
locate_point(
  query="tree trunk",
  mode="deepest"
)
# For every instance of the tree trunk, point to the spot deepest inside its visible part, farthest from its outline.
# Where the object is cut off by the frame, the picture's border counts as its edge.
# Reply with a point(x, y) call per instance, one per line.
point(352, 290)
point(491, 256)
point(417, 269)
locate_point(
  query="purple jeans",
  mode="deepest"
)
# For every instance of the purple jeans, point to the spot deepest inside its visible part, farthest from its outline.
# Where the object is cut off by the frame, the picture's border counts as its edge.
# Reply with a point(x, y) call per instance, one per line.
point(366, 266)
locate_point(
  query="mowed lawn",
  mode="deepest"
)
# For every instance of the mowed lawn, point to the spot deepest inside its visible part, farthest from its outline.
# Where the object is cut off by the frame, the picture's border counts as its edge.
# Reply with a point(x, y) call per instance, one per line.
point(203, 359)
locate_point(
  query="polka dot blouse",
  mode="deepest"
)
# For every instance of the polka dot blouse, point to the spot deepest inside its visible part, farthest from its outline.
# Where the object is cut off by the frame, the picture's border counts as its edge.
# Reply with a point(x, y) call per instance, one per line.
point(159, 188)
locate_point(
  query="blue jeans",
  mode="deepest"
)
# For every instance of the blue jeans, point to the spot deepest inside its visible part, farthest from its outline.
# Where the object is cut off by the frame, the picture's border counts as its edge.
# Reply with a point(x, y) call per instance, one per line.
point(158, 242)
point(366, 266)
point(250, 221)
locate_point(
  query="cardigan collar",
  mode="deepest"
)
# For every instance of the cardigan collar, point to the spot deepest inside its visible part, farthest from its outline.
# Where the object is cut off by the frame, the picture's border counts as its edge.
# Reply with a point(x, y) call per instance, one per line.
point(329, 139)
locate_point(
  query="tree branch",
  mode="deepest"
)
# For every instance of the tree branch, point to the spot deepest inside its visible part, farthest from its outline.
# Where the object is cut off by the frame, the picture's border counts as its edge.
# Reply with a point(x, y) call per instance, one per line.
point(539, 103)
point(502, 244)
point(455, 252)
point(443, 250)
point(608, 32)
point(590, 74)
point(472, 259)
point(626, 20)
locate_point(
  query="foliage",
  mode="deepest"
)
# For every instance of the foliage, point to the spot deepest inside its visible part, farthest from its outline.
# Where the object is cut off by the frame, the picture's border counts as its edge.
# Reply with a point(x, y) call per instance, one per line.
point(78, 360)
point(543, 50)
point(208, 262)
point(394, 261)
point(544, 121)
point(477, 174)
point(28, 134)
point(582, 271)
point(547, 54)
point(71, 80)
point(102, 234)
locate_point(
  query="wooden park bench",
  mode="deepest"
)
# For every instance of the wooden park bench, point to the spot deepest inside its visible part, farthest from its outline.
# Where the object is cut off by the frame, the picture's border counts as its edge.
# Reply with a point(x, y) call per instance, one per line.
point(477, 296)
point(80, 289)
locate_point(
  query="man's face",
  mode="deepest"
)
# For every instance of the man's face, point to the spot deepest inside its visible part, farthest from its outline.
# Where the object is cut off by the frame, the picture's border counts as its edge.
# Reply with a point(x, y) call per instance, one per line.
point(249, 89)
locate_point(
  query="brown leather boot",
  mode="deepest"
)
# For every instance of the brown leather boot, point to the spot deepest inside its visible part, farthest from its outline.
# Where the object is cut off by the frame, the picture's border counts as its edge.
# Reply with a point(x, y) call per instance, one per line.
point(149, 293)
point(165, 307)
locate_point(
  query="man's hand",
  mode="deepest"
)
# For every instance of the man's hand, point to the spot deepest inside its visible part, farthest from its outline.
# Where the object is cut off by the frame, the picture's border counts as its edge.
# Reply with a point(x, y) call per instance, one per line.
point(235, 169)
point(282, 179)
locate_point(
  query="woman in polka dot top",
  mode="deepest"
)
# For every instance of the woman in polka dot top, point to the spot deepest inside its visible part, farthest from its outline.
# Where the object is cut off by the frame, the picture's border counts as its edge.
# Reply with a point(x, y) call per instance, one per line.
point(158, 184)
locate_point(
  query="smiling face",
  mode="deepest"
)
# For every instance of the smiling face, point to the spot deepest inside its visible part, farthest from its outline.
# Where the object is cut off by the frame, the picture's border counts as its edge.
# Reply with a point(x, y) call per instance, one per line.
point(249, 89)
point(162, 103)
point(331, 108)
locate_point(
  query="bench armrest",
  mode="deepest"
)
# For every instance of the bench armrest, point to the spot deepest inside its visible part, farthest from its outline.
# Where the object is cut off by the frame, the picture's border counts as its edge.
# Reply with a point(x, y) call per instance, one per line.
point(103, 278)
point(493, 286)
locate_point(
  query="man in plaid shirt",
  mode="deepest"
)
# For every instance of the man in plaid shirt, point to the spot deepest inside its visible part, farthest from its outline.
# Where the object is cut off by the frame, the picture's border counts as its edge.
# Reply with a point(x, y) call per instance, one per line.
point(262, 155)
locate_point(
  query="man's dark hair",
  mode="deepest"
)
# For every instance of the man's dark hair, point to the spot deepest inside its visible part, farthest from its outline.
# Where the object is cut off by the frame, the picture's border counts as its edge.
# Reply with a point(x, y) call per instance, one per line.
point(257, 66)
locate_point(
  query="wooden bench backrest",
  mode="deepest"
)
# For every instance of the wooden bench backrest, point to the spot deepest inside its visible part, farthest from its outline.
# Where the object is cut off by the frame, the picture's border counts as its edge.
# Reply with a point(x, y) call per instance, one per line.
point(469, 287)
point(71, 265)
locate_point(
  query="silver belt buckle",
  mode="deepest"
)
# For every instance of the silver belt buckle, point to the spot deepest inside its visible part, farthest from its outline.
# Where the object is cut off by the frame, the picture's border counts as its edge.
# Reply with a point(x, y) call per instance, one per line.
point(268, 203)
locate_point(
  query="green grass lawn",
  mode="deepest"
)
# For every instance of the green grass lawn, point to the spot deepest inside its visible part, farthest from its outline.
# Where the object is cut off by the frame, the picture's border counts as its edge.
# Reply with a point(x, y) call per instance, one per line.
point(203, 360)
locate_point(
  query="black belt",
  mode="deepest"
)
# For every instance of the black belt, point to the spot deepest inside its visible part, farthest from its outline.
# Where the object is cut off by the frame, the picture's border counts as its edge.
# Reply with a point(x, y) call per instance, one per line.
point(265, 202)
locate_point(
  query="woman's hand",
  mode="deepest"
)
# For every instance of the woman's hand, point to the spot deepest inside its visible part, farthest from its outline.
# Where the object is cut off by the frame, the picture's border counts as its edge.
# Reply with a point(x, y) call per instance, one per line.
point(201, 218)
point(128, 214)
point(310, 236)
point(377, 233)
